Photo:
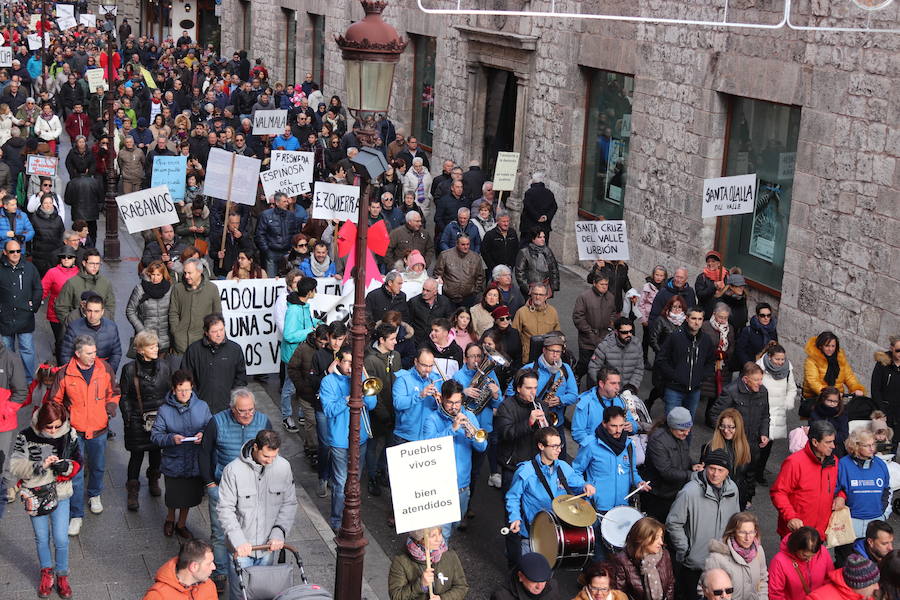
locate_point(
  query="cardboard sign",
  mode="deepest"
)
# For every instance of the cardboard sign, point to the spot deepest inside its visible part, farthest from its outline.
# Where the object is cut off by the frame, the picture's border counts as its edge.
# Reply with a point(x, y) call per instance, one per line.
point(729, 195)
point(269, 122)
point(170, 171)
point(505, 171)
point(335, 201)
point(6, 54)
point(290, 173)
point(88, 20)
point(65, 16)
point(244, 178)
point(423, 484)
point(247, 306)
point(34, 41)
point(42, 166)
point(602, 239)
point(95, 80)
point(147, 209)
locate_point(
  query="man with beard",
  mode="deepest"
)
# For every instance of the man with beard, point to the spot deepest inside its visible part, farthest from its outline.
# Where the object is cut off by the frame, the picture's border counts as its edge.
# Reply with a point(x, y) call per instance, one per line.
point(619, 351)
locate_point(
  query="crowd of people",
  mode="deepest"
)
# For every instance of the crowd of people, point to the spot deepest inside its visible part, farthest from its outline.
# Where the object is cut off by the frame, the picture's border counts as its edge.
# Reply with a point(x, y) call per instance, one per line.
point(477, 353)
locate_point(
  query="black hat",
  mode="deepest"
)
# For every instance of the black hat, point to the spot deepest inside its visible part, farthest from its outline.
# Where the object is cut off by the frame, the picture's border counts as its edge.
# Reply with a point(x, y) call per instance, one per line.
point(718, 457)
point(66, 251)
point(535, 567)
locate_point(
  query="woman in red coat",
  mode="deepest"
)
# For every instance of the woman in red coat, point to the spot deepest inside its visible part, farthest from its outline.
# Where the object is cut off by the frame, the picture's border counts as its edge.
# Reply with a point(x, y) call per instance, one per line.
point(800, 567)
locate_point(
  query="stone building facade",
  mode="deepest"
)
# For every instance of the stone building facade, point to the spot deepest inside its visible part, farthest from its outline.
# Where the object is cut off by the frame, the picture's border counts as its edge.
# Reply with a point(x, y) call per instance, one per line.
point(701, 100)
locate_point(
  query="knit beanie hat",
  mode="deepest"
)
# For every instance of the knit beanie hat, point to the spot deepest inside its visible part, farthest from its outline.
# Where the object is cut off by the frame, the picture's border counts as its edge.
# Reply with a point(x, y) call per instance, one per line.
point(679, 418)
point(718, 457)
point(860, 572)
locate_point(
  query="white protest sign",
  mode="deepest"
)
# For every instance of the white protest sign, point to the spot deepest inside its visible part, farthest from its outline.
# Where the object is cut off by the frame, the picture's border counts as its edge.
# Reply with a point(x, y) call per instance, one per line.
point(6, 54)
point(147, 209)
point(289, 172)
point(411, 288)
point(42, 166)
point(601, 239)
point(729, 195)
point(505, 171)
point(64, 10)
point(269, 122)
point(334, 301)
point(248, 307)
point(88, 20)
point(335, 201)
point(34, 41)
point(111, 9)
point(65, 23)
point(423, 484)
point(95, 79)
point(244, 180)
point(33, 21)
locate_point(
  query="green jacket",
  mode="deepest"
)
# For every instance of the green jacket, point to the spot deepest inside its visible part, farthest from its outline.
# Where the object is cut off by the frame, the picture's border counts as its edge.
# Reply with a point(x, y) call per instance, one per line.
point(187, 308)
point(69, 299)
point(405, 578)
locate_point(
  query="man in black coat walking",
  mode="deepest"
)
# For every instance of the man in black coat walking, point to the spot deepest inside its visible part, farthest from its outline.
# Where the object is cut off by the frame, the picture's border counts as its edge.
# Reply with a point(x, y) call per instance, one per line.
point(538, 209)
point(213, 353)
point(685, 360)
point(21, 294)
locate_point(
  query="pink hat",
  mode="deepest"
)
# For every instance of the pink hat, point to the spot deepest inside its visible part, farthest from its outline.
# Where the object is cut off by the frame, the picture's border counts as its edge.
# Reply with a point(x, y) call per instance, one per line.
point(415, 258)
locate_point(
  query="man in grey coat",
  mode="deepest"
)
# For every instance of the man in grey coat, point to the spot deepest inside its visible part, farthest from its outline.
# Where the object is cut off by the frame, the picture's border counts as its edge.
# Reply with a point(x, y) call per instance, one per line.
point(620, 351)
point(699, 514)
point(257, 503)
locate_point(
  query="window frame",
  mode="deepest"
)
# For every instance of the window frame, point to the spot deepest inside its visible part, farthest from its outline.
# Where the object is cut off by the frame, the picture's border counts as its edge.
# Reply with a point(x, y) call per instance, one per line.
point(417, 128)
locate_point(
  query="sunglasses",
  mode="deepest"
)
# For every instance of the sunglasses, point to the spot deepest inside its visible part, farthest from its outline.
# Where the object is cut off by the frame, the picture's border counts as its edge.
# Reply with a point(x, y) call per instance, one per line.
point(503, 318)
point(724, 592)
point(301, 246)
point(626, 331)
point(765, 315)
point(13, 251)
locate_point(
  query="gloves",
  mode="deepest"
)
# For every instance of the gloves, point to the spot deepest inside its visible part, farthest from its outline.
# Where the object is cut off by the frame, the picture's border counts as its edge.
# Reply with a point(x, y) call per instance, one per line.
point(60, 467)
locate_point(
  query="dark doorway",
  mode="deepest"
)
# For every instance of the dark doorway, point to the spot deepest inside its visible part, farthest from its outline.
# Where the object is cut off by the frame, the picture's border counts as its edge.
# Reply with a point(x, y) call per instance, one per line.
point(499, 116)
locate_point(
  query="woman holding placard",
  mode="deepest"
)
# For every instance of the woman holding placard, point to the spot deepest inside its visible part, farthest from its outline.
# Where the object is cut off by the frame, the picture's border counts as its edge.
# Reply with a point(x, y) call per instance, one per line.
point(417, 567)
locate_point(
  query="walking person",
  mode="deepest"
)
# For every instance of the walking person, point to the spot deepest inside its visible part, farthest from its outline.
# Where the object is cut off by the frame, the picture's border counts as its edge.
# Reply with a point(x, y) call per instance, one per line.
point(21, 294)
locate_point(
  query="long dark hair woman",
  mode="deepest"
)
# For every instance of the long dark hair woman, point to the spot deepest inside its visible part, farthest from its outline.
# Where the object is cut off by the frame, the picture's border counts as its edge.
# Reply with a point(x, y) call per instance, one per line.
point(830, 407)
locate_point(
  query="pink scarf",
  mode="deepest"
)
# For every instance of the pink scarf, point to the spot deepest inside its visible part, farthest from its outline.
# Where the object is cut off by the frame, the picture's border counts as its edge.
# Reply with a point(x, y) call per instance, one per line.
point(417, 551)
point(748, 554)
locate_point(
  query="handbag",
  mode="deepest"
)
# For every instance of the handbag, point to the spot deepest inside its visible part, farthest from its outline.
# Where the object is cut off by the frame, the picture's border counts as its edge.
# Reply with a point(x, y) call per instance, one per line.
point(840, 529)
point(40, 500)
point(148, 418)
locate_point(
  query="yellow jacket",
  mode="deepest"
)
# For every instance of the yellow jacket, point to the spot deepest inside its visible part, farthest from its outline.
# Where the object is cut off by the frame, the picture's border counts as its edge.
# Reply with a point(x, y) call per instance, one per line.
point(814, 372)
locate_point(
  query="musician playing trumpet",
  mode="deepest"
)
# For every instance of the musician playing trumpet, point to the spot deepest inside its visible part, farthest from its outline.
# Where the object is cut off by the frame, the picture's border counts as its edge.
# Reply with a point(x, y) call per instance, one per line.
point(415, 391)
point(468, 439)
point(534, 486)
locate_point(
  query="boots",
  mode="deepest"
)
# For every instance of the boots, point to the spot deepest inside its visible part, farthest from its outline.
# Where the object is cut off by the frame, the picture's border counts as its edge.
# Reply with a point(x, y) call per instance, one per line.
point(46, 584)
point(153, 483)
point(62, 586)
point(133, 487)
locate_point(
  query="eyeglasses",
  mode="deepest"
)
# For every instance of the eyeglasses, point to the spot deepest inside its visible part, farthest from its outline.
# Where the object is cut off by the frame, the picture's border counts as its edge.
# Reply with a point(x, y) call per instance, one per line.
point(479, 355)
point(554, 446)
point(727, 427)
point(247, 411)
point(725, 592)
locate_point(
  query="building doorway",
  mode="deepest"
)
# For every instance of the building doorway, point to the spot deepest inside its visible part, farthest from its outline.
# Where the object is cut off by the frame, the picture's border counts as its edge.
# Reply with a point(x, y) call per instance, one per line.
point(499, 116)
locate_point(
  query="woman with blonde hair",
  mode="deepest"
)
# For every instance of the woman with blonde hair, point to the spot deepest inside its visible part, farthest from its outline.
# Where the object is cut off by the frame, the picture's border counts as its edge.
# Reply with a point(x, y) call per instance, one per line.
point(730, 435)
point(409, 579)
point(643, 570)
point(864, 480)
point(740, 554)
point(7, 120)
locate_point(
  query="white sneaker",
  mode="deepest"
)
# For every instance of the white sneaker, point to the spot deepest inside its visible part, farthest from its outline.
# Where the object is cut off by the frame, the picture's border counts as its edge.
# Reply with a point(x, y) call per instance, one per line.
point(74, 525)
point(494, 480)
point(95, 504)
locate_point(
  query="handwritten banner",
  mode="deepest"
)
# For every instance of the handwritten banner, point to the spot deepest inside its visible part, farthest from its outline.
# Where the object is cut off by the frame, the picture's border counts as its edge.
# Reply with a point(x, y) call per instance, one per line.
point(248, 308)
point(95, 80)
point(170, 171)
point(147, 209)
point(729, 195)
point(335, 201)
point(290, 173)
point(505, 171)
point(269, 122)
point(601, 239)
point(6, 55)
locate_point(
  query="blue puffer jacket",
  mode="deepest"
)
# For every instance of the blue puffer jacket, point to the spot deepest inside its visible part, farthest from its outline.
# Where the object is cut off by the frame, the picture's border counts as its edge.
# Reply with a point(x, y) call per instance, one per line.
point(23, 228)
point(298, 323)
point(613, 475)
point(333, 393)
point(452, 232)
point(275, 229)
point(106, 335)
point(180, 460)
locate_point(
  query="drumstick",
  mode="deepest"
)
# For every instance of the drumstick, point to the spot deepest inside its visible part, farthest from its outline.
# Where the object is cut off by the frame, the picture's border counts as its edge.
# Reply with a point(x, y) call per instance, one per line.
point(637, 489)
point(577, 497)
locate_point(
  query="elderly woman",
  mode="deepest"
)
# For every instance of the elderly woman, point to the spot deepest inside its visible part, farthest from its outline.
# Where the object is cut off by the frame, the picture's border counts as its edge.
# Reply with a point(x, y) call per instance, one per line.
point(596, 581)
point(801, 565)
point(741, 555)
point(864, 482)
point(144, 385)
point(644, 569)
point(721, 333)
point(148, 306)
point(536, 263)
point(418, 181)
point(413, 267)
point(409, 579)
point(483, 218)
point(178, 430)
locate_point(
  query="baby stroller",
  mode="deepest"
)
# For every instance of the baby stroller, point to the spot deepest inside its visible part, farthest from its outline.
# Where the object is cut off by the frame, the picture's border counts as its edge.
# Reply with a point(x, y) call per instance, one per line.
point(276, 582)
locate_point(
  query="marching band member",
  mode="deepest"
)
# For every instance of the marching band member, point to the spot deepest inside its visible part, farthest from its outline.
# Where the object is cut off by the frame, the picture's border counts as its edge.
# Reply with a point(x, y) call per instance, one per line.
point(593, 403)
point(462, 425)
point(414, 393)
point(335, 397)
point(516, 421)
point(534, 486)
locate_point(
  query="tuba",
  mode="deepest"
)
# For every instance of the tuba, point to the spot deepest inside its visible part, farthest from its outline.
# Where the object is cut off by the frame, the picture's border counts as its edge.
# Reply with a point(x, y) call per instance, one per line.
point(482, 380)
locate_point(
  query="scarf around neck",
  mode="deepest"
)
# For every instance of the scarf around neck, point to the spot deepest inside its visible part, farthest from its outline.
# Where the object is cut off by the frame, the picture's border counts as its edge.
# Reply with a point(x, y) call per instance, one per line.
point(319, 268)
point(723, 329)
point(554, 369)
point(650, 576)
point(616, 445)
point(833, 370)
point(155, 291)
point(777, 373)
point(417, 550)
point(748, 554)
point(676, 319)
point(715, 274)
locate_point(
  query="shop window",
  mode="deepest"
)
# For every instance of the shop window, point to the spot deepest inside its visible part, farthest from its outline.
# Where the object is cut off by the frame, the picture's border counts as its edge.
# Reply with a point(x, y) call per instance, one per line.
point(425, 54)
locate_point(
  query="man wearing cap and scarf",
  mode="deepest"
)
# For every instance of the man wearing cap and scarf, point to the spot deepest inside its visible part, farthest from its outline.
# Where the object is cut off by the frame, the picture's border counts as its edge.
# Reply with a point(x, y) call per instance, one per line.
point(858, 579)
point(531, 580)
point(710, 284)
point(700, 513)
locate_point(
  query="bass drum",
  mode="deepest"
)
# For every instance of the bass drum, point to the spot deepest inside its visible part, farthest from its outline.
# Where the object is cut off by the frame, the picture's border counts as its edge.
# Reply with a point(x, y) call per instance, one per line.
point(615, 525)
point(564, 546)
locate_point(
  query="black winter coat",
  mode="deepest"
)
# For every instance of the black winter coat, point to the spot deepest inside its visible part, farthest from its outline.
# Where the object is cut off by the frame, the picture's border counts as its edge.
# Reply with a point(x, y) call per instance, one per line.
point(538, 201)
point(447, 208)
point(153, 378)
point(421, 315)
point(275, 229)
point(226, 360)
point(753, 406)
point(685, 360)
point(516, 435)
point(752, 339)
point(473, 181)
point(619, 282)
point(668, 463)
point(886, 387)
point(667, 291)
point(497, 249)
point(78, 164)
point(21, 293)
point(512, 589)
point(381, 301)
point(109, 346)
point(48, 233)
point(85, 196)
point(12, 156)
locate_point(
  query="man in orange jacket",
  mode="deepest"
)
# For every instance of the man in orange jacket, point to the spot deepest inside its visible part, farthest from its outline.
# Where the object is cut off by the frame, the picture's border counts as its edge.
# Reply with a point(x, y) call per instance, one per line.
point(87, 386)
point(186, 576)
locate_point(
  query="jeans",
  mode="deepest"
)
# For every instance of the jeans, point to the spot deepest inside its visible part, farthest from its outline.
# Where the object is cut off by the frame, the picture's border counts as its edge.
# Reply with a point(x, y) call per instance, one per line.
point(234, 585)
point(57, 523)
point(94, 453)
point(339, 458)
point(324, 449)
point(25, 349)
point(217, 534)
point(272, 263)
point(689, 400)
point(464, 495)
point(516, 544)
point(287, 396)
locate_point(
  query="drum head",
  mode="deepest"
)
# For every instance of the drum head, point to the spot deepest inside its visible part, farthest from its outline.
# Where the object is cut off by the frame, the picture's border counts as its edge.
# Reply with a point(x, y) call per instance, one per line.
point(615, 525)
point(545, 536)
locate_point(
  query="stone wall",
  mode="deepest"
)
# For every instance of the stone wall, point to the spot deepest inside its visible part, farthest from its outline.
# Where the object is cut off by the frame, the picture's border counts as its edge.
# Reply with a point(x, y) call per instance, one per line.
point(841, 271)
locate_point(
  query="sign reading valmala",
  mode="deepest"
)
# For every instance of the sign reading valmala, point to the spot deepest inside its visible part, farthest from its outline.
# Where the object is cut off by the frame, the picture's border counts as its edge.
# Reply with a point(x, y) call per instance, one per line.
point(147, 209)
point(248, 307)
point(601, 239)
point(269, 122)
point(335, 201)
point(423, 484)
point(729, 195)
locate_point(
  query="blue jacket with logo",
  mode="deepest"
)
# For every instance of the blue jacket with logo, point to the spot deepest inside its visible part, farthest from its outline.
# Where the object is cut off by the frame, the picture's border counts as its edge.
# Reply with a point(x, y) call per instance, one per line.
point(486, 418)
point(613, 475)
point(437, 424)
point(567, 392)
point(527, 496)
point(589, 414)
point(333, 394)
point(866, 485)
point(410, 409)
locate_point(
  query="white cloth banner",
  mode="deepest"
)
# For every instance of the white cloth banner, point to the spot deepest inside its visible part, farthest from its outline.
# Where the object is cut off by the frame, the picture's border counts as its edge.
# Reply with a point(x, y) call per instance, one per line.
point(248, 308)
point(147, 209)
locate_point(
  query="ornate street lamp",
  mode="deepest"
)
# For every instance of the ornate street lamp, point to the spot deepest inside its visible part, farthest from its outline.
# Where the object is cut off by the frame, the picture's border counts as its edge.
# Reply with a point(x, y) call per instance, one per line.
point(370, 49)
point(111, 239)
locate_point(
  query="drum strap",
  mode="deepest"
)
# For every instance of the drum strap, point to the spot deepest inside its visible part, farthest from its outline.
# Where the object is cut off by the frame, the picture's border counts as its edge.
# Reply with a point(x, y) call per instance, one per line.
point(543, 479)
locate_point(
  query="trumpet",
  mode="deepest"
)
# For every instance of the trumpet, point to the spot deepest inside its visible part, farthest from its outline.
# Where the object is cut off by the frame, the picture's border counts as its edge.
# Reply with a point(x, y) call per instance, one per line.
point(543, 420)
point(461, 420)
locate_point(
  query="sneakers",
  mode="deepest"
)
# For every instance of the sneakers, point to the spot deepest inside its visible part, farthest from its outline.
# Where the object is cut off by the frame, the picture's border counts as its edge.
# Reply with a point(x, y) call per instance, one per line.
point(322, 491)
point(95, 504)
point(290, 425)
point(62, 586)
point(46, 584)
point(494, 480)
point(74, 526)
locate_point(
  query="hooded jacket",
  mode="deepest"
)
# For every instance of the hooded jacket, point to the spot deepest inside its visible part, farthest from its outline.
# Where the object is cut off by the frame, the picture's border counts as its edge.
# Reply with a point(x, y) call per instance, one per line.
point(21, 294)
point(167, 586)
point(835, 588)
point(814, 372)
point(334, 393)
point(48, 231)
point(782, 396)
point(614, 475)
point(187, 308)
point(52, 283)
point(19, 224)
point(256, 503)
point(750, 580)
point(32, 447)
point(175, 418)
point(699, 514)
point(804, 489)
point(69, 298)
point(298, 324)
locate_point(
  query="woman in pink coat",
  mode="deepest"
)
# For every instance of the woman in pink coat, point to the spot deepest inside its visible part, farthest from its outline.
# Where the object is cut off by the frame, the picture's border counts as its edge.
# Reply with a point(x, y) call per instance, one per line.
point(53, 282)
point(801, 565)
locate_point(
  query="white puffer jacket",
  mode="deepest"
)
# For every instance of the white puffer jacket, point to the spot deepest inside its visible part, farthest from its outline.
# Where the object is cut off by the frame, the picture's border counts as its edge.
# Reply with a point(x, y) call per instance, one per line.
point(782, 395)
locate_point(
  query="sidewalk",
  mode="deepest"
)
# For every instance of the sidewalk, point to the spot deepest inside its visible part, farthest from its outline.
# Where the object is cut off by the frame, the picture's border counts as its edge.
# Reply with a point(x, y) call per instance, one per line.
point(118, 552)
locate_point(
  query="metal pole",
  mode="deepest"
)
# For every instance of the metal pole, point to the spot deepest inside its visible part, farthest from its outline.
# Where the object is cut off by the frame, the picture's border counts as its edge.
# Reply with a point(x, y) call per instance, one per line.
point(43, 34)
point(111, 239)
point(351, 544)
